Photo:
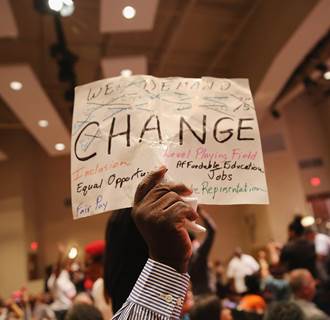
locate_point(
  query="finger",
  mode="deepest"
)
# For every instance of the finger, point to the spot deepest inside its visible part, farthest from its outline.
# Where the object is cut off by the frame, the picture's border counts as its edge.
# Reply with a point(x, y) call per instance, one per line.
point(162, 189)
point(178, 188)
point(167, 200)
point(181, 210)
point(181, 189)
point(148, 183)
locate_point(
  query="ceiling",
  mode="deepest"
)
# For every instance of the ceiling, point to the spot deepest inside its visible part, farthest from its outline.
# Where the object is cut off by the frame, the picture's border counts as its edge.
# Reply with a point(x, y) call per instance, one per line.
point(190, 38)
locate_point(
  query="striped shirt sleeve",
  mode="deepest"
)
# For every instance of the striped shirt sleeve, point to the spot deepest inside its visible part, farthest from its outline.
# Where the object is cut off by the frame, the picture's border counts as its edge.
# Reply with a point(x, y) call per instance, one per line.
point(157, 295)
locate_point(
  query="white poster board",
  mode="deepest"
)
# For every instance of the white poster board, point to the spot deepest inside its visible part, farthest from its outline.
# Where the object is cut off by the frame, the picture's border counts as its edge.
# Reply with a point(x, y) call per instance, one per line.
point(204, 130)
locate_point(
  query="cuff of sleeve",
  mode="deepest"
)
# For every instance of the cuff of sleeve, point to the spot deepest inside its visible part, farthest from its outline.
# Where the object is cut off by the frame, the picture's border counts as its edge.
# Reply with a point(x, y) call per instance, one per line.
point(161, 289)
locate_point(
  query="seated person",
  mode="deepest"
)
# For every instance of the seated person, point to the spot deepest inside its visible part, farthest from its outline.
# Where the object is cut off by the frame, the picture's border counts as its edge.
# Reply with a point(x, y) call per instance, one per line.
point(302, 286)
point(83, 311)
point(209, 307)
point(284, 310)
point(252, 300)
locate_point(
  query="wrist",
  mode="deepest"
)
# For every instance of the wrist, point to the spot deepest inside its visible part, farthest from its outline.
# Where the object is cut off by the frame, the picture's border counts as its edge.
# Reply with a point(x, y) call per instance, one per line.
point(181, 266)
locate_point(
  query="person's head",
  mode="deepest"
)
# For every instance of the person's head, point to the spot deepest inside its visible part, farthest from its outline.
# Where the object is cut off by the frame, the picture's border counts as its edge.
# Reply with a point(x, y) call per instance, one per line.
point(218, 267)
point(209, 307)
point(125, 256)
point(302, 284)
point(83, 297)
point(83, 311)
point(94, 252)
point(252, 283)
point(238, 252)
point(296, 229)
point(284, 310)
point(262, 255)
point(310, 233)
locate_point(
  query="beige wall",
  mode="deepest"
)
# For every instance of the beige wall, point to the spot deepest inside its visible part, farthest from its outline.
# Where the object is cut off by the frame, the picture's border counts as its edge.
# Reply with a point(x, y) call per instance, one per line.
point(308, 129)
point(42, 183)
point(286, 194)
point(56, 223)
point(13, 271)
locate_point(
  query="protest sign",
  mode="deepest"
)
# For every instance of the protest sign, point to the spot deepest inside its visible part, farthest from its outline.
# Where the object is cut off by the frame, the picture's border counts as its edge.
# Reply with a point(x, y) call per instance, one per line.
point(204, 130)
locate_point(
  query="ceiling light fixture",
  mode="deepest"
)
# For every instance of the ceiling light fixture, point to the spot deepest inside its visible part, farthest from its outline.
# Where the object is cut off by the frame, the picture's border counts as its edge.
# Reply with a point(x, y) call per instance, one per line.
point(326, 75)
point(59, 146)
point(68, 8)
point(16, 85)
point(126, 72)
point(55, 5)
point(43, 123)
point(129, 12)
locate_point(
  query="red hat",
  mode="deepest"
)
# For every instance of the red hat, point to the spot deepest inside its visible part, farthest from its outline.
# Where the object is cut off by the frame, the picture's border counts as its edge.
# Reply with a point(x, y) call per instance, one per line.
point(95, 248)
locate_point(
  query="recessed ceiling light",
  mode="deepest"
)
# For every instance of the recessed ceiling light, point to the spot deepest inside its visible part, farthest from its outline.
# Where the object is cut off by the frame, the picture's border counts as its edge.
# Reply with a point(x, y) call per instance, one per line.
point(59, 146)
point(16, 85)
point(129, 12)
point(326, 75)
point(68, 8)
point(55, 5)
point(43, 123)
point(126, 72)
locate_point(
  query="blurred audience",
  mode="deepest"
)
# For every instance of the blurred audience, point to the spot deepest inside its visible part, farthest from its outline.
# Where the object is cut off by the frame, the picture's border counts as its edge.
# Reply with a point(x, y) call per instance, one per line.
point(284, 310)
point(94, 256)
point(299, 252)
point(303, 287)
point(198, 268)
point(83, 311)
point(60, 286)
point(208, 307)
point(252, 300)
point(281, 283)
point(240, 266)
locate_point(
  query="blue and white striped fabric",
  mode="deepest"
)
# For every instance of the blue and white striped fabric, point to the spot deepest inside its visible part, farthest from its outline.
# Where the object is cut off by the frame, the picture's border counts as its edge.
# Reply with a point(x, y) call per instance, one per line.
point(157, 295)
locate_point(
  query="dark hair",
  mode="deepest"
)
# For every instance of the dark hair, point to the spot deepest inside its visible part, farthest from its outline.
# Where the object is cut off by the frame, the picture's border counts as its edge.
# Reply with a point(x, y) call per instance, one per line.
point(98, 259)
point(252, 283)
point(83, 311)
point(285, 310)
point(296, 225)
point(126, 253)
point(206, 307)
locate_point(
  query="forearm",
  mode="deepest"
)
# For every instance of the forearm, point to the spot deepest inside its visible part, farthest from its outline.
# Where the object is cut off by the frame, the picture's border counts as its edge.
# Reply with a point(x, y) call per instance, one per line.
point(158, 294)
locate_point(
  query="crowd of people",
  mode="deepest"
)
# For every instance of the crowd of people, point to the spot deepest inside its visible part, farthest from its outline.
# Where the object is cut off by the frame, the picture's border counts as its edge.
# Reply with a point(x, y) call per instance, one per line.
point(140, 271)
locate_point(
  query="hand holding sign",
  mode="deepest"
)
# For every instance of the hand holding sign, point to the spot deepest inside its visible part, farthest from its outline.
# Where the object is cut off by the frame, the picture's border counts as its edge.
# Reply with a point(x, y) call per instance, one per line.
point(160, 214)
